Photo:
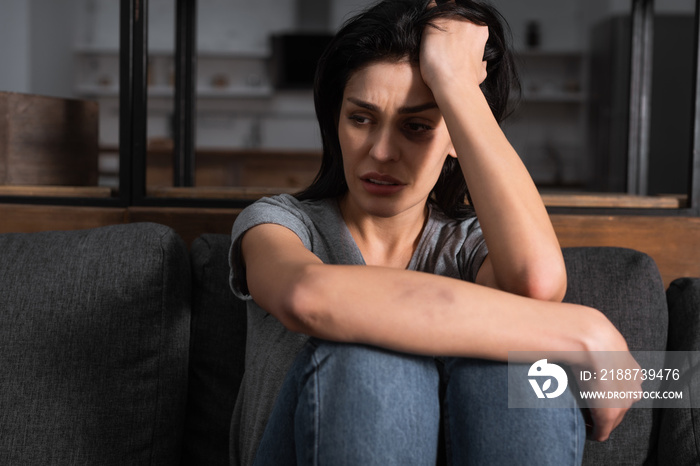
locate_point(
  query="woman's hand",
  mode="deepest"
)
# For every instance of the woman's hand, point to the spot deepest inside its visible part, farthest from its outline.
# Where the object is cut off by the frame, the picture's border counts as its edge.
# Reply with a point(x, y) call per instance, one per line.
point(606, 414)
point(453, 51)
point(607, 350)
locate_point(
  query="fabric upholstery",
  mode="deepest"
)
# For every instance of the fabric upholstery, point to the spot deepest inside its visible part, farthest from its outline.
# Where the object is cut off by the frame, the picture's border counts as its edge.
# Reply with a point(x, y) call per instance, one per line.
point(217, 348)
point(94, 329)
point(95, 342)
point(626, 286)
point(679, 436)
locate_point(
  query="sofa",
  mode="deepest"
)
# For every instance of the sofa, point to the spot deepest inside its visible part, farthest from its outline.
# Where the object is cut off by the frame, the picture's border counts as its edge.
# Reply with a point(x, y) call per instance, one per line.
point(120, 345)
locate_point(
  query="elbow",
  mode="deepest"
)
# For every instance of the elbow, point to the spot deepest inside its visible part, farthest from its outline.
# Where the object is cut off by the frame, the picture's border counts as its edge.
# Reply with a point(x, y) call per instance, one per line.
point(549, 287)
point(544, 282)
point(299, 306)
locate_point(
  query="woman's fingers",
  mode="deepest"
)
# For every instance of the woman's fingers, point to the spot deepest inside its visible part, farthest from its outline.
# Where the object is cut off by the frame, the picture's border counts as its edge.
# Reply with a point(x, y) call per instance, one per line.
point(453, 49)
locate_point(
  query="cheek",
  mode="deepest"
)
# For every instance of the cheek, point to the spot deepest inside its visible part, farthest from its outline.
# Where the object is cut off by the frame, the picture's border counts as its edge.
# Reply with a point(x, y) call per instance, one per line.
point(348, 150)
point(351, 141)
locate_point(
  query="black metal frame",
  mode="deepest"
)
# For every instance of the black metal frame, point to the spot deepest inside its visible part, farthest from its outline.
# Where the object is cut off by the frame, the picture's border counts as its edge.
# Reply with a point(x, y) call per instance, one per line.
point(694, 172)
point(640, 96)
point(133, 97)
point(133, 110)
point(185, 83)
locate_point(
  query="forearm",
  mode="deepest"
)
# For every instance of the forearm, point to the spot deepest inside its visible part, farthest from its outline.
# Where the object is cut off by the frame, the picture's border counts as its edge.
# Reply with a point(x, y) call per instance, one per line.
point(433, 315)
point(523, 247)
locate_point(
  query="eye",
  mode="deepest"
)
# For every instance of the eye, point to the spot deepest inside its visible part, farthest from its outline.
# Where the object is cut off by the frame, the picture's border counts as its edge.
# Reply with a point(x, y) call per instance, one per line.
point(418, 127)
point(359, 119)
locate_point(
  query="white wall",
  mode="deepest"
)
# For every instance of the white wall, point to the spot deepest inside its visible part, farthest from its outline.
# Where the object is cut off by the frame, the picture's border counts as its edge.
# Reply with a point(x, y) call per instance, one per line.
point(36, 46)
point(52, 43)
point(14, 45)
point(231, 25)
point(563, 22)
point(242, 24)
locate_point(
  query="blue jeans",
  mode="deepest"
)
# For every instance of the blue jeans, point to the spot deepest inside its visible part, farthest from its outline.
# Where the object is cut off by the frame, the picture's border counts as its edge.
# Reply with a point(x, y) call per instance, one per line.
point(344, 404)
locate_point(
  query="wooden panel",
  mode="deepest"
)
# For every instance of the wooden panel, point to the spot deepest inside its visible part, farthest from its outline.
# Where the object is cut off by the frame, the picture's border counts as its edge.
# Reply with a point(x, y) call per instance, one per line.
point(673, 242)
point(614, 200)
point(31, 218)
point(214, 192)
point(47, 140)
point(56, 191)
point(188, 222)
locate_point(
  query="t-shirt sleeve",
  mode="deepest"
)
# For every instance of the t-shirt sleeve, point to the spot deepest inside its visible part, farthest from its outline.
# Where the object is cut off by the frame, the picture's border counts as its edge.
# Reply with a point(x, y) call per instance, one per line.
point(473, 250)
point(281, 210)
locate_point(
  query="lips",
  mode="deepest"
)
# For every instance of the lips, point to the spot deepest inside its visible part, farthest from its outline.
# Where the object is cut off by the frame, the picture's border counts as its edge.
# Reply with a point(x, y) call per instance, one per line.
point(379, 179)
point(381, 185)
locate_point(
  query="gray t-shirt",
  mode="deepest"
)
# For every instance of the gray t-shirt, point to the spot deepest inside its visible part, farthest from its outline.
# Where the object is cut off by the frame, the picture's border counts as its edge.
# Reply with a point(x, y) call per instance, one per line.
point(447, 247)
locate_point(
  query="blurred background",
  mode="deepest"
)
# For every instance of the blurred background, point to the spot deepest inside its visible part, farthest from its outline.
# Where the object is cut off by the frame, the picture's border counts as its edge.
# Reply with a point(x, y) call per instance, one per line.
point(255, 123)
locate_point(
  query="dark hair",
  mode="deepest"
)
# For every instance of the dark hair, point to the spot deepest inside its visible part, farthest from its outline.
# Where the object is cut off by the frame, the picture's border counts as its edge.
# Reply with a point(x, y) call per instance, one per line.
point(391, 31)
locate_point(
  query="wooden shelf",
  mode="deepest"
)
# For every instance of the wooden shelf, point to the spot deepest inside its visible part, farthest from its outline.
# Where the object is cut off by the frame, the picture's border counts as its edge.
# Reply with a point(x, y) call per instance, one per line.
point(250, 193)
point(232, 92)
point(615, 200)
point(57, 191)
point(550, 200)
point(256, 192)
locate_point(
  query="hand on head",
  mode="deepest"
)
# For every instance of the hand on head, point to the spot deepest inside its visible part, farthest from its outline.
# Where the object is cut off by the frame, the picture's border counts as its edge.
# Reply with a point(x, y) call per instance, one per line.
point(453, 49)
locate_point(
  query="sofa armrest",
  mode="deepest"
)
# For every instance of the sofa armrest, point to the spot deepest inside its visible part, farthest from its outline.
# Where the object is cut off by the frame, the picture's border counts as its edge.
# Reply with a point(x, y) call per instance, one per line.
point(626, 286)
point(93, 346)
point(679, 436)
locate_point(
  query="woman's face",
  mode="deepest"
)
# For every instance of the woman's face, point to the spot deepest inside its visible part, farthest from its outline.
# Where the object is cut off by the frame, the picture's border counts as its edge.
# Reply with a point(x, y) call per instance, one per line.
point(393, 139)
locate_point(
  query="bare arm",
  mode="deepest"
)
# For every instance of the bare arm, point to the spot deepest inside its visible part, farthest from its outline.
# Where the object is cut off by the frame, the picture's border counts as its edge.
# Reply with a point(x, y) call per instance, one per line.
point(524, 254)
point(418, 313)
point(409, 311)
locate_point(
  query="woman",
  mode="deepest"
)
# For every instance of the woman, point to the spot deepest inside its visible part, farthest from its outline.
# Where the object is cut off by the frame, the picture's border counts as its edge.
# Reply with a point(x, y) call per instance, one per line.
point(351, 364)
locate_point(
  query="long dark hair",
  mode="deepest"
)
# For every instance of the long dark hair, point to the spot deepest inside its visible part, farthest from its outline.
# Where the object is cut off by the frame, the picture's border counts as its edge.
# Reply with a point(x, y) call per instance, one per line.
point(391, 31)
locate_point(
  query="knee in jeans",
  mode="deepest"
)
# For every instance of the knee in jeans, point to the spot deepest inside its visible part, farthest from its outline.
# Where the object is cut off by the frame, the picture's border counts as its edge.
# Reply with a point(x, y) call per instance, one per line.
point(372, 368)
point(477, 377)
point(500, 381)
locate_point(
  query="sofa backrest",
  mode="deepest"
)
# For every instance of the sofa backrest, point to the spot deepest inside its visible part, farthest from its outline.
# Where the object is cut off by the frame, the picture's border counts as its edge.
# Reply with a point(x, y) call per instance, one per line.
point(217, 352)
point(626, 286)
point(94, 339)
point(96, 345)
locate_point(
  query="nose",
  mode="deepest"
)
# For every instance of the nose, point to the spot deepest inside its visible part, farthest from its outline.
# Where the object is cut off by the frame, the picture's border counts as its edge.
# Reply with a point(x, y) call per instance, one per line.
point(383, 146)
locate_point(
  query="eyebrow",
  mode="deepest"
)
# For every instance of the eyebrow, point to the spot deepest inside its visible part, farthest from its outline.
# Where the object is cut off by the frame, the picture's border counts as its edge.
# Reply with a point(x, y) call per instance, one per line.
point(402, 110)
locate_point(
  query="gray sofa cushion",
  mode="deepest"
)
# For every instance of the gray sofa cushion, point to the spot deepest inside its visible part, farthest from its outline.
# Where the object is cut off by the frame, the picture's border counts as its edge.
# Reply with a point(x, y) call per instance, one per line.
point(217, 350)
point(626, 286)
point(94, 333)
point(679, 436)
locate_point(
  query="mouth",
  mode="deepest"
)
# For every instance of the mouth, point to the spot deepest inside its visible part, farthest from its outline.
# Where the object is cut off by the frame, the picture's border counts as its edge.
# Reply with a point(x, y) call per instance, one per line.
point(381, 180)
point(381, 185)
